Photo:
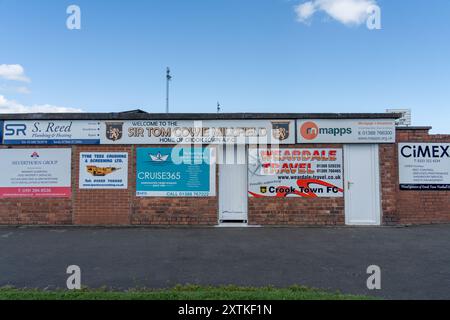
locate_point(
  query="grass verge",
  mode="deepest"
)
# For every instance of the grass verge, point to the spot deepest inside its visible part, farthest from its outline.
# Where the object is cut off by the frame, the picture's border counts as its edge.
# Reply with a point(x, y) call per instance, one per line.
point(180, 293)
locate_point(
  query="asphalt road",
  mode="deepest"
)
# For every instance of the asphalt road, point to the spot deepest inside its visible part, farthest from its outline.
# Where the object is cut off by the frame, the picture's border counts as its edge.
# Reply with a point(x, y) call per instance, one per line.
point(414, 261)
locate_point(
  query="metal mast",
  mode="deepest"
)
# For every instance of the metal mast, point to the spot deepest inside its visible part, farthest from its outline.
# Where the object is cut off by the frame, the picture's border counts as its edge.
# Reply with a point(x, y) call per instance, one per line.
point(168, 78)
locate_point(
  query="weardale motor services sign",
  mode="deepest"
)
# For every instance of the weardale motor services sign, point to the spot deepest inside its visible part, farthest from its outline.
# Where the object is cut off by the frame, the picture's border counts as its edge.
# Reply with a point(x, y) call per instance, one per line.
point(198, 132)
point(308, 173)
point(424, 166)
point(346, 131)
point(51, 132)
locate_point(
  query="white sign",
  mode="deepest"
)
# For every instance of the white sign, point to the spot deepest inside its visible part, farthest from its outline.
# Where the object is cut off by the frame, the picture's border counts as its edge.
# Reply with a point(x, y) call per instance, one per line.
point(405, 119)
point(346, 131)
point(103, 170)
point(424, 166)
point(198, 132)
point(51, 132)
point(35, 173)
point(308, 173)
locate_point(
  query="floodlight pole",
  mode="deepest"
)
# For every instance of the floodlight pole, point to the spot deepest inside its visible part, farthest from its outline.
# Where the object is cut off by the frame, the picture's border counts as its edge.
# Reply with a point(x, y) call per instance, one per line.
point(168, 78)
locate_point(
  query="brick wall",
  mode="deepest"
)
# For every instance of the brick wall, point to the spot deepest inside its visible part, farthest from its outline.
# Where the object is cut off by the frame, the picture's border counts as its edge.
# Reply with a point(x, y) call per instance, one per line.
point(122, 207)
point(420, 207)
point(389, 183)
point(102, 207)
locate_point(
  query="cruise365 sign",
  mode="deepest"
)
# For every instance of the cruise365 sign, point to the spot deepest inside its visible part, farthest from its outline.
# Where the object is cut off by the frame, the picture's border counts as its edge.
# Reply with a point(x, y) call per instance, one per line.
point(175, 172)
point(308, 173)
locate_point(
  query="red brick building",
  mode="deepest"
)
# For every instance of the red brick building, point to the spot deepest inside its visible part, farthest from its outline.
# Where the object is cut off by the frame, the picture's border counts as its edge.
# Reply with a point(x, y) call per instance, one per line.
point(332, 169)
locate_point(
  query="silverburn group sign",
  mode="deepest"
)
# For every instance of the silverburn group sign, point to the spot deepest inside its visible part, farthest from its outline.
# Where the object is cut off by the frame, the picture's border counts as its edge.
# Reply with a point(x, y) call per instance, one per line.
point(198, 132)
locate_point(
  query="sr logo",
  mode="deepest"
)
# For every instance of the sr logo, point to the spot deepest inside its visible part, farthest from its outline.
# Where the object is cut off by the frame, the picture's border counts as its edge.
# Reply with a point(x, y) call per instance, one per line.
point(15, 129)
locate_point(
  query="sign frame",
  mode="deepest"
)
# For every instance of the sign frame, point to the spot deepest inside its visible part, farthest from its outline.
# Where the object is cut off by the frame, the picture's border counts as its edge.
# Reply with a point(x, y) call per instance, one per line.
point(424, 161)
point(51, 132)
point(345, 131)
point(95, 167)
point(296, 172)
point(48, 168)
point(157, 157)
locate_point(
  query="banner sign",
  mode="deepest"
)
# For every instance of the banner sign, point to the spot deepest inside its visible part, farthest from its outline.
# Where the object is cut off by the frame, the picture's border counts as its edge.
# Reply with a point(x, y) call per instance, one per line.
point(424, 166)
point(308, 173)
point(175, 172)
point(103, 170)
point(51, 132)
point(35, 173)
point(198, 132)
point(346, 131)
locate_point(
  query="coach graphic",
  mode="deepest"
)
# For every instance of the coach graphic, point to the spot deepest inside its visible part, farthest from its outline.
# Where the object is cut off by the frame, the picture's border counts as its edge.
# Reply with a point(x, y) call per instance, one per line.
point(51, 132)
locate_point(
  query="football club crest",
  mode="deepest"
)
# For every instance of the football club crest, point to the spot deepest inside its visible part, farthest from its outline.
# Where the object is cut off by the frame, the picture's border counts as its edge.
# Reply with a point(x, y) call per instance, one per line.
point(114, 130)
point(263, 189)
point(280, 130)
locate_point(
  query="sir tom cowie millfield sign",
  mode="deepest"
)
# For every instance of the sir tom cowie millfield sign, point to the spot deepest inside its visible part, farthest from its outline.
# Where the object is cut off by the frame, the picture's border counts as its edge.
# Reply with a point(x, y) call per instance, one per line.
point(198, 132)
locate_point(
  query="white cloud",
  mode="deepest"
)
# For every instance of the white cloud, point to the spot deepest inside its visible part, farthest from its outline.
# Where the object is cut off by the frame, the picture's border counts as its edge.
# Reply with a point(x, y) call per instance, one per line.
point(305, 11)
point(11, 106)
point(22, 90)
point(348, 12)
point(9, 89)
point(13, 72)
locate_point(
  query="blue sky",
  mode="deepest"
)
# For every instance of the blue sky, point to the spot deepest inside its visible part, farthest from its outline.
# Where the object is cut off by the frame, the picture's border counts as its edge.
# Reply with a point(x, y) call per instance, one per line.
point(251, 55)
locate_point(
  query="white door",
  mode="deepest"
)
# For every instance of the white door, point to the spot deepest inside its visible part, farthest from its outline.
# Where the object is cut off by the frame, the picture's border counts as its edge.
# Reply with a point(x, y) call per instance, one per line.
point(232, 184)
point(362, 184)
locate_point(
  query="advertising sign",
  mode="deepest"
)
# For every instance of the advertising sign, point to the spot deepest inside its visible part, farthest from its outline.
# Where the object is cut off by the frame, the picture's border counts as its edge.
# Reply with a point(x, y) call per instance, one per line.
point(175, 172)
point(198, 132)
point(1, 131)
point(51, 132)
point(35, 173)
point(103, 170)
point(346, 131)
point(308, 173)
point(424, 166)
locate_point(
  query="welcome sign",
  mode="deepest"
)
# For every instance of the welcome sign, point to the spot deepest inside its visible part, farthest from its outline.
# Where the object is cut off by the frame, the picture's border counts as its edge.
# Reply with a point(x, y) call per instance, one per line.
point(175, 172)
point(198, 132)
point(307, 173)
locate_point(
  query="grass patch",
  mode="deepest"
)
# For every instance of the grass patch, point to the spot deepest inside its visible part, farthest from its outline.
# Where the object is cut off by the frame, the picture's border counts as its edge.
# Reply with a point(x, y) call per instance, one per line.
point(189, 292)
